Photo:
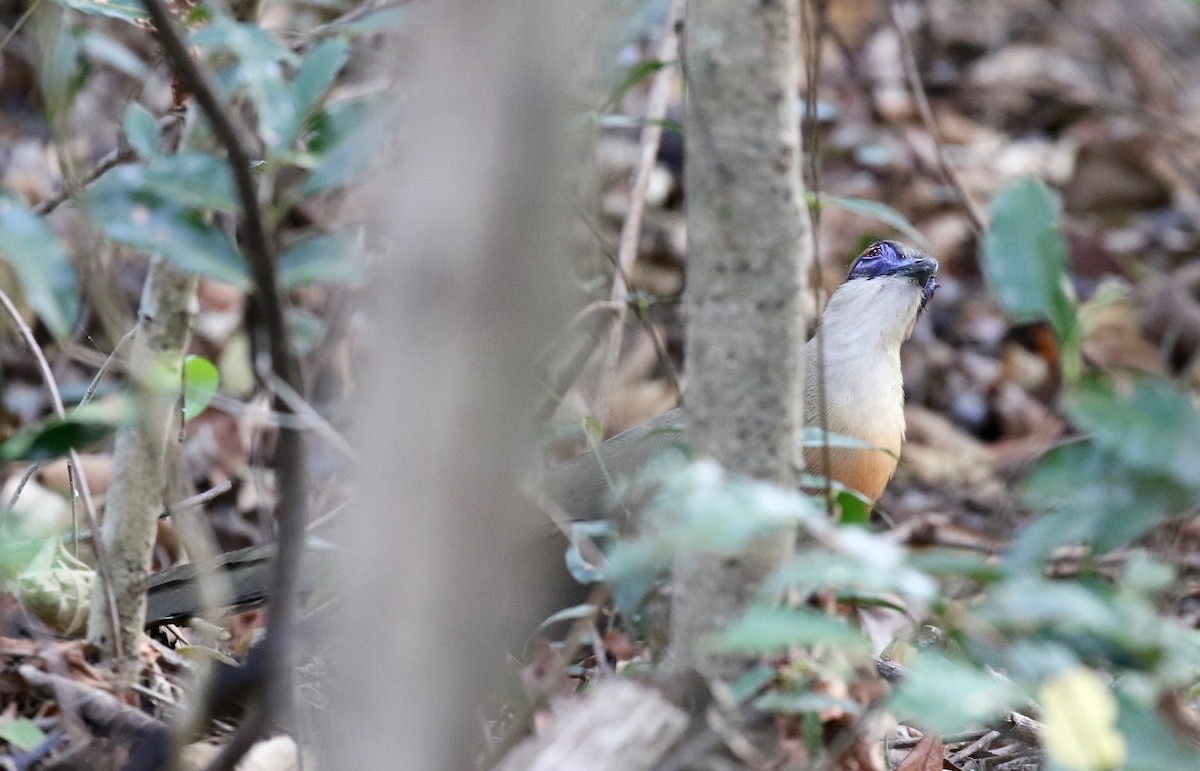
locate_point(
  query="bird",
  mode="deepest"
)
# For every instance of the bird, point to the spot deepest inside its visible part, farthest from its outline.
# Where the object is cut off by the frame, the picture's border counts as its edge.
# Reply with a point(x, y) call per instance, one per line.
point(859, 334)
point(868, 317)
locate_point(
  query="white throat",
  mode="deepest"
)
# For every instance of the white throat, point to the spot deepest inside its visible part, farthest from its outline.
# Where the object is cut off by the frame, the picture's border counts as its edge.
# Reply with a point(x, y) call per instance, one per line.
point(863, 327)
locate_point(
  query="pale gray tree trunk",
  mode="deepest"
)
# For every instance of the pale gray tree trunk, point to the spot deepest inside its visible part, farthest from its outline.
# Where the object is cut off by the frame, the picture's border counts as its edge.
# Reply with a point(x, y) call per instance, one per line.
point(139, 476)
point(477, 217)
point(747, 262)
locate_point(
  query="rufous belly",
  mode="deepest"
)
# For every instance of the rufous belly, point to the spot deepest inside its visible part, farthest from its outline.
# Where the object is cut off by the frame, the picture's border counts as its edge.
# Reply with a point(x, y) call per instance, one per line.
point(866, 471)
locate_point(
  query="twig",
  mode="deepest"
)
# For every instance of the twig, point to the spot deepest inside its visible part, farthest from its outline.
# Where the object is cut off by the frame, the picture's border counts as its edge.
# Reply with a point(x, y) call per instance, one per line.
point(56, 398)
point(102, 710)
point(974, 747)
point(815, 27)
point(978, 222)
point(115, 157)
point(289, 460)
point(663, 359)
point(20, 22)
point(24, 480)
point(301, 408)
point(364, 10)
point(87, 397)
point(631, 230)
point(660, 350)
point(198, 499)
point(183, 505)
point(108, 362)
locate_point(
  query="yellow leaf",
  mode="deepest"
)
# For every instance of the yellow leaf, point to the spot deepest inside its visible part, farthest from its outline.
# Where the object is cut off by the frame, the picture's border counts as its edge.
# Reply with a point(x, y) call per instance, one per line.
point(1080, 719)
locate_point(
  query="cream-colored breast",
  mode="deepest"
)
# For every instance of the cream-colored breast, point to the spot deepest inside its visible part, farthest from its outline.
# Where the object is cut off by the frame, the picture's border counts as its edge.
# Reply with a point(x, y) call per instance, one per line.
point(864, 393)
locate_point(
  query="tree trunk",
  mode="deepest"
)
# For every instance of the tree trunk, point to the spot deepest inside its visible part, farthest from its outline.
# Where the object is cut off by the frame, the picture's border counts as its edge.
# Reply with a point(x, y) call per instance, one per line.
point(747, 263)
point(139, 458)
point(434, 584)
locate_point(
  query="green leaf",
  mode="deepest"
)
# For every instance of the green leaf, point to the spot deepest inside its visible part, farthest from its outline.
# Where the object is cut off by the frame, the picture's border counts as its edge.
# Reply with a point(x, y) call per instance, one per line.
point(54, 438)
point(183, 181)
point(1025, 262)
point(47, 277)
point(878, 211)
point(945, 562)
point(21, 733)
point(141, 130)
point(1151, 425)
point(200, 382)
point(316, 75)
point(941, 694)
point(856, 511)
point(854, 575)
point(1152, 745)
point(259, 72)
point(1030, 602)
point(572, 613)
point(763, 630)
point(1093, 496)
point(383, 20)
point(105, 49)
point(632, 77)
point(125, 10)
point(322, 259)
point(305, 330)
point(124, 205)
point(347, 137)
point(815, 437)
point(805, 701)
point(189, 180)
point(633, 121)
point(61, 69)
point(632, 568)
point(752, 682)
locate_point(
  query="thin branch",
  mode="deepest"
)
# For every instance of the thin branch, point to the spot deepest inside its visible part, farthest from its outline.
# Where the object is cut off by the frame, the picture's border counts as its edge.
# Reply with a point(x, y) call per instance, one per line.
point(108, 362)
point(198, 499)
point(643, 318)
point(631, 230)
point(118, 156)
point(24, 480)
point(187, 503)
point(302, 409)
point(978, 221)
point(56, 397)
point(814, 25)
point(289, 461)
point(361, 12)
point(16, 27)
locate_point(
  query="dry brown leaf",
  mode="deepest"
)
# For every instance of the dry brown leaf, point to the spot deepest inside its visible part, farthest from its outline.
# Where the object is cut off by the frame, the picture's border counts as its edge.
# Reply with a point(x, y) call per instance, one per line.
point(926, 756)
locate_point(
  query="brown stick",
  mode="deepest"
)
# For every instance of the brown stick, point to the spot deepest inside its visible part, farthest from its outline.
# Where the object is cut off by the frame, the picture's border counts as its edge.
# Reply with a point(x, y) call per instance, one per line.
point(101, 710)
point(631, 230)
point(289, 459)
point(978, 221)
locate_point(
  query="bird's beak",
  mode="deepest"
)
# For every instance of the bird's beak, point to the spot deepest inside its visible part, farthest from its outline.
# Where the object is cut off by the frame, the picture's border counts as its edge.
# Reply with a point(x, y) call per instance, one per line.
point(920, 270)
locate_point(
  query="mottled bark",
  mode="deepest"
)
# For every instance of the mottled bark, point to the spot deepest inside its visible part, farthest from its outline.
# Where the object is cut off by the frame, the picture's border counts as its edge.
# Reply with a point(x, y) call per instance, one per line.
point(140, 456)
point(748, 241)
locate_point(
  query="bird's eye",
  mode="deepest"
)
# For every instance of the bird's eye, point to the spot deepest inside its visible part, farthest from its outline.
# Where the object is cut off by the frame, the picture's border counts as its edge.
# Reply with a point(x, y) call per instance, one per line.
point(871, 253)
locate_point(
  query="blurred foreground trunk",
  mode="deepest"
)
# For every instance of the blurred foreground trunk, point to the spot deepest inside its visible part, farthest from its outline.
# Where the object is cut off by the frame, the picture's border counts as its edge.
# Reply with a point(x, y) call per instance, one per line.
point(477, 218)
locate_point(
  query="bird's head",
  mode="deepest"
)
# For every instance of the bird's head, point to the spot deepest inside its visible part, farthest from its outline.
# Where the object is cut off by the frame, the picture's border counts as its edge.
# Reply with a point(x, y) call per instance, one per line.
point(908, 268)
point(887, 288)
